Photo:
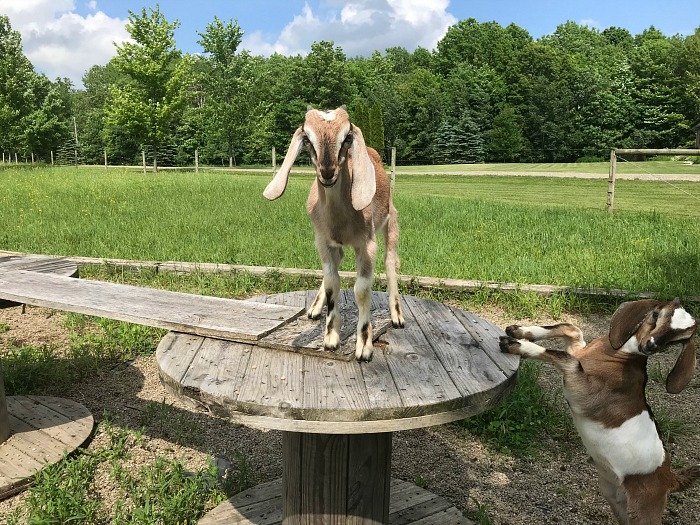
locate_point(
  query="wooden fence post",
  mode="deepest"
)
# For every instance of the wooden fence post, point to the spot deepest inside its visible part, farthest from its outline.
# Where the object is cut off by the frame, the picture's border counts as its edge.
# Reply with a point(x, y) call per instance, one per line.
point(611, 180)
point(143, 156)
point(196, 160)
point(274, 161)
point(16, 161)
point(105, 152)
point(52, 157)
point(393, 168)
point(32, 158)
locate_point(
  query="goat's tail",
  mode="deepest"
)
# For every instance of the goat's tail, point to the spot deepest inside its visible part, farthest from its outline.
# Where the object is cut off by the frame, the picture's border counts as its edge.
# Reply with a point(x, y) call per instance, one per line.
point(686, 477)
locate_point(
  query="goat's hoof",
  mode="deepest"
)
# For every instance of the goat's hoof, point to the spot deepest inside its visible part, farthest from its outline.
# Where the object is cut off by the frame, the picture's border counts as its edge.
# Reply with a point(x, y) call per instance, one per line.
point(314, 316)
point(364, 353)
point(514, 331)
point(398, 323)
point(331, 341)
point(509, 345)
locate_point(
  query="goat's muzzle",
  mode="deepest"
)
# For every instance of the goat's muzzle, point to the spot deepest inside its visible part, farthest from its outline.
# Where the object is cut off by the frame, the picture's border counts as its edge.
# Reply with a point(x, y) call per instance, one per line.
point(327, 175)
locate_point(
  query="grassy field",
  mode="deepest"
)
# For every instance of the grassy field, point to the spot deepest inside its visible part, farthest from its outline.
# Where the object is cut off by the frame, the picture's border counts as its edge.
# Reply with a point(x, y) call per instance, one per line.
point(508, 229)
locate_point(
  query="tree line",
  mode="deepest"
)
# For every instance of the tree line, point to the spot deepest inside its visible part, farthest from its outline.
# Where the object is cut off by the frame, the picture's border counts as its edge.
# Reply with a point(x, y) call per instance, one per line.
point(488, 93)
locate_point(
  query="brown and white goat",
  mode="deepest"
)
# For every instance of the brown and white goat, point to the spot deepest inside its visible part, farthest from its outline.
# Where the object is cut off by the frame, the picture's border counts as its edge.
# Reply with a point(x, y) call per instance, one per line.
point(349, 202)
point(604, 384)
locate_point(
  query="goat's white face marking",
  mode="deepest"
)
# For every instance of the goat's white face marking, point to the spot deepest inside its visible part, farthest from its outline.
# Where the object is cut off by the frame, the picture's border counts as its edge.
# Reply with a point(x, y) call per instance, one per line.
point(632, 448)
point(326, 115)
point(681, 319)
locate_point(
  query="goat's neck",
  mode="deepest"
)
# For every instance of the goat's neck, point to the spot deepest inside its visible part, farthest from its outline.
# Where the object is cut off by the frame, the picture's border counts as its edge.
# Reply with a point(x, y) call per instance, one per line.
point(338, 195)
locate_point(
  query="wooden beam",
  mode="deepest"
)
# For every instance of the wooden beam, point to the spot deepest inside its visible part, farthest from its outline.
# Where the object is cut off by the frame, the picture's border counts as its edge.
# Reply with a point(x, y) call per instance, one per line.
point(230, 319)
point(691, 152)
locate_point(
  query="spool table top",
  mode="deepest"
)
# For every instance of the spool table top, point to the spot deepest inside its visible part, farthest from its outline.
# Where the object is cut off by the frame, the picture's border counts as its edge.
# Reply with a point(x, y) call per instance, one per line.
point(443, 366)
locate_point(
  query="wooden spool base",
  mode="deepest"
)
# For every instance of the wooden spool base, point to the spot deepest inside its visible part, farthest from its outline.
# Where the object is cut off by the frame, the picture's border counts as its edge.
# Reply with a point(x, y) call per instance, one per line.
point(262, 505)
point(42, 430)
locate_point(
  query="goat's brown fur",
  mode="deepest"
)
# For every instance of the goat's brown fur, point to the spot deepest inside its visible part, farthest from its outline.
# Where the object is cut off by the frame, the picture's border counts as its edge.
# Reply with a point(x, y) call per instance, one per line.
point(604, 384)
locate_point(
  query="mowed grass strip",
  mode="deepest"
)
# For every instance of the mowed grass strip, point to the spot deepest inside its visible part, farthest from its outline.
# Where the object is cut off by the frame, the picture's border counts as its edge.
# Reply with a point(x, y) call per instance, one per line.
point(507, 229)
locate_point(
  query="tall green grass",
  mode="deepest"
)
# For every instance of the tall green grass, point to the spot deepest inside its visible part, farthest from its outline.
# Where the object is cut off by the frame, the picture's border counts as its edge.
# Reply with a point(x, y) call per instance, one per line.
point(507, 229)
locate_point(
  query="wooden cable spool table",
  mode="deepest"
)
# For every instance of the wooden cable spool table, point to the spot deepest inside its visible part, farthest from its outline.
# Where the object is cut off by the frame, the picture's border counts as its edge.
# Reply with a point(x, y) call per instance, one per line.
point(36, 430)
point(338, 415)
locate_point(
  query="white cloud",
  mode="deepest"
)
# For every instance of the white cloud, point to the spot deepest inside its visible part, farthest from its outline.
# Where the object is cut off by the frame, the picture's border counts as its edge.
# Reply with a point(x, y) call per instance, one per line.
point(589, 22)
point(61, 43)
point(360, 27)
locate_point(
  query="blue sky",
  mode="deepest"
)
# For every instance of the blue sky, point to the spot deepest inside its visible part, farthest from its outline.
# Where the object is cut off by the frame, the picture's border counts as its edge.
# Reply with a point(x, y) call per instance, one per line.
point(65, 37)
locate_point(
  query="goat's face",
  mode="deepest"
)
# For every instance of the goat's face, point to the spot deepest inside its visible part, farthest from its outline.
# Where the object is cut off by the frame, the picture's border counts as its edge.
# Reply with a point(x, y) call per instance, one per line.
point(333, 143)
point(327, 135)
point(648, 326)
point(665, 324)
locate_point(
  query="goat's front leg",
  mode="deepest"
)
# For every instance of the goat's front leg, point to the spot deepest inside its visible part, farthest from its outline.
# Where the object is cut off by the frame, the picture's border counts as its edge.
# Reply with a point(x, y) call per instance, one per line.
point(365, 256)
point(563, 361)
point(331, 257)
point(572, 335)
point(316, 308)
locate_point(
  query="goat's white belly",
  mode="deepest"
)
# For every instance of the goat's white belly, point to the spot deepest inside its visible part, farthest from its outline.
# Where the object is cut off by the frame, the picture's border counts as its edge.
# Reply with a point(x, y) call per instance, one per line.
point(632, 448)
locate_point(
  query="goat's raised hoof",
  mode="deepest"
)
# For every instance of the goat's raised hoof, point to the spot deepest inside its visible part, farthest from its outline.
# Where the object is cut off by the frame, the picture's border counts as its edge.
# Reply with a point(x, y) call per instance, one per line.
point(515, 331)
point(509, 345)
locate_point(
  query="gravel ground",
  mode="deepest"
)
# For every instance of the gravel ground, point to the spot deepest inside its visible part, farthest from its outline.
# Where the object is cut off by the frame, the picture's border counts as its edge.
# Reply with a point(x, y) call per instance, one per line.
point(556, 487)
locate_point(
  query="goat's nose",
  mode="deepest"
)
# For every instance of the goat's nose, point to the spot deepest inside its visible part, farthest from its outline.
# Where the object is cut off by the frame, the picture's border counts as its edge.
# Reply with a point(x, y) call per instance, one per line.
point(327, 172)
point(650, 347)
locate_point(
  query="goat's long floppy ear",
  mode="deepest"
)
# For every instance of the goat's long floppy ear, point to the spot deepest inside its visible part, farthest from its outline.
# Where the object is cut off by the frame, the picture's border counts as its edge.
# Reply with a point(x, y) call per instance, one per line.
point(683, 370)
point(278, 183)
point(364, 183)
point(627, 319)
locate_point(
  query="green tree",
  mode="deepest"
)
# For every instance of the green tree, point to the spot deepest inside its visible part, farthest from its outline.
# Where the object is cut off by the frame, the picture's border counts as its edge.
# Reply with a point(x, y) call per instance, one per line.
point(225, 109)
point(16, 80)
point(505, 142)
point(149, 104)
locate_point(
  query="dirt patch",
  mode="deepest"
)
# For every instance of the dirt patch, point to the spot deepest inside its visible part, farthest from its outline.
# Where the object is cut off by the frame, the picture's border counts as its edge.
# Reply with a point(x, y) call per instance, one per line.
point(557, 487)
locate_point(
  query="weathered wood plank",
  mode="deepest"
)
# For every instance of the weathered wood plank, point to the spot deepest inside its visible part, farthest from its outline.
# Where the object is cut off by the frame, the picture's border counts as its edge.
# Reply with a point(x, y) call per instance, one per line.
point(419, 375)
point(243, 321)
point(471, 370)
point(272, 384)
point(42, 429)
point(39, 263)
point(486, 335)
point(305, 336)
point(214, 375)
point(409, 504)
point(334, 389)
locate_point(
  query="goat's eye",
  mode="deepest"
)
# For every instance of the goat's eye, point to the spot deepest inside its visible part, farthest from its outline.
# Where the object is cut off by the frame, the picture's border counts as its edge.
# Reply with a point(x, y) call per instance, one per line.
point(348, 139)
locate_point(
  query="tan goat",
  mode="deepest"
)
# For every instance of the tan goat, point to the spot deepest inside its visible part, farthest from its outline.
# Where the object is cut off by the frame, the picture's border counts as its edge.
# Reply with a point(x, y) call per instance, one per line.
point(349, 202)
point(604, 384)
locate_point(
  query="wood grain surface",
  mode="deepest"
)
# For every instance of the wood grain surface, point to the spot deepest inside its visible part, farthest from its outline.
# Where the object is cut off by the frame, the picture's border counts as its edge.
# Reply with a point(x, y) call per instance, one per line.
point(445, 365)
point(202, 315)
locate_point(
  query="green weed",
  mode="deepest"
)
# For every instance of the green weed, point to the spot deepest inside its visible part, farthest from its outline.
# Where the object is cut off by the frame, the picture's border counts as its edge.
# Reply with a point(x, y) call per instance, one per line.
point(479, 514)
point(518, 423)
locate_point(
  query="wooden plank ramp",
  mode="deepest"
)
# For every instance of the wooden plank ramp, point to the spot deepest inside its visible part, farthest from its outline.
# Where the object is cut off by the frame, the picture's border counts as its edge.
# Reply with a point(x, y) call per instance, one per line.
point(262, 505)
point(230, 319)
